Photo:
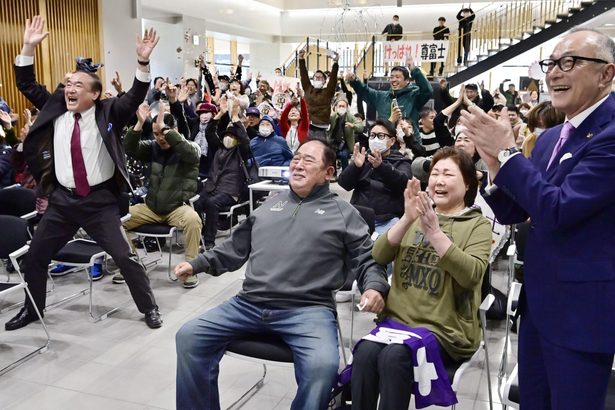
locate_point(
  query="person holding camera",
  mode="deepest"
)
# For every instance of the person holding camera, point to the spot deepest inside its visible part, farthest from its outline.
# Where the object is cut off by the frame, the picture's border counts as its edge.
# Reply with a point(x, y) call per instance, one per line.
point(410, 98)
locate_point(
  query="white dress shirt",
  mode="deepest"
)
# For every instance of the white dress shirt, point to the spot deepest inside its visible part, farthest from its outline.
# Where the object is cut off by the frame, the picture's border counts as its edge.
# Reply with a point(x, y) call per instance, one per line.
point(98, 163)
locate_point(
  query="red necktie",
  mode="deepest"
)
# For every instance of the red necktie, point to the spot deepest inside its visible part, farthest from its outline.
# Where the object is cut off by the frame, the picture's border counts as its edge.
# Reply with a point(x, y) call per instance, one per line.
point(79, 172)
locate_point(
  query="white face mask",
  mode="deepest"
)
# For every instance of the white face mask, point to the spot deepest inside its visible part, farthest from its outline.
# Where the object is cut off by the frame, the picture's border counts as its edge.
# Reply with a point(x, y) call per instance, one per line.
point(524, 112)
point(229, 142)
point(538, 131)
point(264, 130)
point(318, 84)
point(376, 144)
point(341, 111)
point(223, 87)
point(400, 134)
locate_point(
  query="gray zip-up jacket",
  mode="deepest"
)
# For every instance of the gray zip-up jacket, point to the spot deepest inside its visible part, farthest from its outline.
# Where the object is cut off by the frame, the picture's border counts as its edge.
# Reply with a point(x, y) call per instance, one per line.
point(299, 251)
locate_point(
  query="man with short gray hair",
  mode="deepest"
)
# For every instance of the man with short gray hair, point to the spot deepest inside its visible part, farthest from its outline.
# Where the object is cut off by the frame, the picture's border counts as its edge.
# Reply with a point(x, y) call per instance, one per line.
point(567, 306)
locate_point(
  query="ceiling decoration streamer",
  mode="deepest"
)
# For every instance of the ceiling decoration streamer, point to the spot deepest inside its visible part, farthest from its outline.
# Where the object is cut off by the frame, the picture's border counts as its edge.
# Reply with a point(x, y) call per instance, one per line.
point(352, 21)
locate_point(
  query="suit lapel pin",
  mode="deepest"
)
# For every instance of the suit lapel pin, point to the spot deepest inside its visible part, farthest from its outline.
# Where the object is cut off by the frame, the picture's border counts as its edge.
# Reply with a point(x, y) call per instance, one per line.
point(109, 127)
point(589, 135)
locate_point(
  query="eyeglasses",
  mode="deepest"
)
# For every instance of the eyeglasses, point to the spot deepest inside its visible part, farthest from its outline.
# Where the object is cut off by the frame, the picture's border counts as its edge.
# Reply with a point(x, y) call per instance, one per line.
point(565, 63)
point(380, 135)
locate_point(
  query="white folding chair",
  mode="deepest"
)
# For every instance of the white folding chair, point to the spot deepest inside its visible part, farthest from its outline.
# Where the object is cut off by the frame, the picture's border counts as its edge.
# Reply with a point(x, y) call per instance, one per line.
point(13, 246)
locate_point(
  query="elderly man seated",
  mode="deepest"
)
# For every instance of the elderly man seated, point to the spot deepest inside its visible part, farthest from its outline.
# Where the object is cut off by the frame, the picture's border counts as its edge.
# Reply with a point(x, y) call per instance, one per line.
point(297, 246)
point(173, 181)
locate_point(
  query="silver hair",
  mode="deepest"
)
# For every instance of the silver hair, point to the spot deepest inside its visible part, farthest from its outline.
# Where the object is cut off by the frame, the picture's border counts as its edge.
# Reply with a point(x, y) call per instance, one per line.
point(604, 43)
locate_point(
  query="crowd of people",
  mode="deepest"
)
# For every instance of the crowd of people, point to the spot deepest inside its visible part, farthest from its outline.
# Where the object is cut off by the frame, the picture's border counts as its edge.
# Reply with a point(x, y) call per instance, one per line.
point(416, 167)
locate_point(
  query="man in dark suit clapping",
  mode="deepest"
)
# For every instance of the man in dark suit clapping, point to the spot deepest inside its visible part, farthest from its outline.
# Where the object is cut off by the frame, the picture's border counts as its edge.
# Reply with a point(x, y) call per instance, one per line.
point(567, 306)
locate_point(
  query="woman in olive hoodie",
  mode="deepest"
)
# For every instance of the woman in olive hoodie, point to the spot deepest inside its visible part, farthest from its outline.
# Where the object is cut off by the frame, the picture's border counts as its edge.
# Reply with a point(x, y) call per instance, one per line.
point(440, 254)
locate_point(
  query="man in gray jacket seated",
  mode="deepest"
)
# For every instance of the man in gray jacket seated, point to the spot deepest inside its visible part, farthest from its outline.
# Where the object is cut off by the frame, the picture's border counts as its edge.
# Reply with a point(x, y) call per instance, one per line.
point(299, 245)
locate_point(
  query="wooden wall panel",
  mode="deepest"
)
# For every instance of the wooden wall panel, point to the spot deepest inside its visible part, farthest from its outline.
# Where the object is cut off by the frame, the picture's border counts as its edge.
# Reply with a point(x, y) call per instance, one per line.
point(13, 14)
point(74, 31)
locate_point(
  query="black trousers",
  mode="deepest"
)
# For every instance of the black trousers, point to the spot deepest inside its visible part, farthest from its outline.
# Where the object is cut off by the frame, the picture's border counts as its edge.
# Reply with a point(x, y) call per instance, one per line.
point(98, 214)
point(432, 70)
point(385, 371)
point(211, 204)
point(465, 37)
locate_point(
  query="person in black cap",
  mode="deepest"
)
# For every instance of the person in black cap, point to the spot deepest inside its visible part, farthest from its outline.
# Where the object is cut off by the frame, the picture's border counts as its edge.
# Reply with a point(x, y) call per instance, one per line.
point(223, 82)
point(253, 118)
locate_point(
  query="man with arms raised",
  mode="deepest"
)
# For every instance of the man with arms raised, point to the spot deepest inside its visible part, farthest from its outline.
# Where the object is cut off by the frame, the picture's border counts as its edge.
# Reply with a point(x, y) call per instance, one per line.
point(409, 97)
point(75, 153)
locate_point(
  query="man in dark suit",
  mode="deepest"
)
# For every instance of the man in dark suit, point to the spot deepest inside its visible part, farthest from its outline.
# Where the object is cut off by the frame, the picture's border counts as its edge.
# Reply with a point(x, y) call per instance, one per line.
point(75, 153)
point(567, 307)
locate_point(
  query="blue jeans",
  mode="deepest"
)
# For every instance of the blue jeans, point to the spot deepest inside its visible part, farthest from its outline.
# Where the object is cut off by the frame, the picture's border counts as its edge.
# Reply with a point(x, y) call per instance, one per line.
point(343, 155)
point(310, 332)
point(381, 228)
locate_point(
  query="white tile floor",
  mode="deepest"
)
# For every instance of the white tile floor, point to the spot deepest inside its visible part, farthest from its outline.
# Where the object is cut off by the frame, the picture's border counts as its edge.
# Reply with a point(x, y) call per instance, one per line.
point(119, 363)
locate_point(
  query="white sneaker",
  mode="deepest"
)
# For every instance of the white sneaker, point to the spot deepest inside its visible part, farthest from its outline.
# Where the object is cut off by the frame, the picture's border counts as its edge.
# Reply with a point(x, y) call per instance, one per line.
point(191, 282)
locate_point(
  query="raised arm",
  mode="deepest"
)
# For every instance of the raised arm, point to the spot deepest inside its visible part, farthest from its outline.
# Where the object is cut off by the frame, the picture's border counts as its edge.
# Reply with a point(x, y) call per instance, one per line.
point(128, 103)
point(303, 72)
point(425, 89)
point(134, 146)
point(33, 35)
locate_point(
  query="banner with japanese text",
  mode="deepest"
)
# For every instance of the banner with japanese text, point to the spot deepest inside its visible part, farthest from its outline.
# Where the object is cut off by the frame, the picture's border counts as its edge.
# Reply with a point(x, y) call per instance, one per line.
point(425, 50)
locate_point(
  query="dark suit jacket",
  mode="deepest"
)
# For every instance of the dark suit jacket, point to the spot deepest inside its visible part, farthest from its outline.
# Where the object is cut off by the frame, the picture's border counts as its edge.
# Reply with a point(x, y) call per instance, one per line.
point(570, 252)
point(112, 114)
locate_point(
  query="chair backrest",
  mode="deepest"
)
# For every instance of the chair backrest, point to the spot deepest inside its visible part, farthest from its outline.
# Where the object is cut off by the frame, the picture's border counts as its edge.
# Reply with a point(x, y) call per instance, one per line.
point(17, 201)
point(14, 234)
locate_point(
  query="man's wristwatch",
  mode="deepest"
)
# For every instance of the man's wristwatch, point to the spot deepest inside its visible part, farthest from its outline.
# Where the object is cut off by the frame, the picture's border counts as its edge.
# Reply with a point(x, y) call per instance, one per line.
point(505, 154)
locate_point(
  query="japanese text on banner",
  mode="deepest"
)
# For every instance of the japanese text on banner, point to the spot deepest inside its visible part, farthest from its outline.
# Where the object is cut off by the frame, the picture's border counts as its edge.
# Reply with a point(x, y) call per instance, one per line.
point(425, 50)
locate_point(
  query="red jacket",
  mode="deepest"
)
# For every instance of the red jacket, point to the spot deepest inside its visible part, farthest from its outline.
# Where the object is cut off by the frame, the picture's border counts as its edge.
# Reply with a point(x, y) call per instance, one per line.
point(304, 124)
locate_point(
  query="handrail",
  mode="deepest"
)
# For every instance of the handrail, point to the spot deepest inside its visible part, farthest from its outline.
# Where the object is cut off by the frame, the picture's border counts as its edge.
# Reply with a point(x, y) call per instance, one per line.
point(493, 25)
point(511, 21)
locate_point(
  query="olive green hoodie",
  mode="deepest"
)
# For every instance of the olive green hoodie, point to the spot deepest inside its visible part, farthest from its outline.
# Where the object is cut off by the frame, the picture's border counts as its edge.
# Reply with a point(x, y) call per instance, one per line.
point(440, 294)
